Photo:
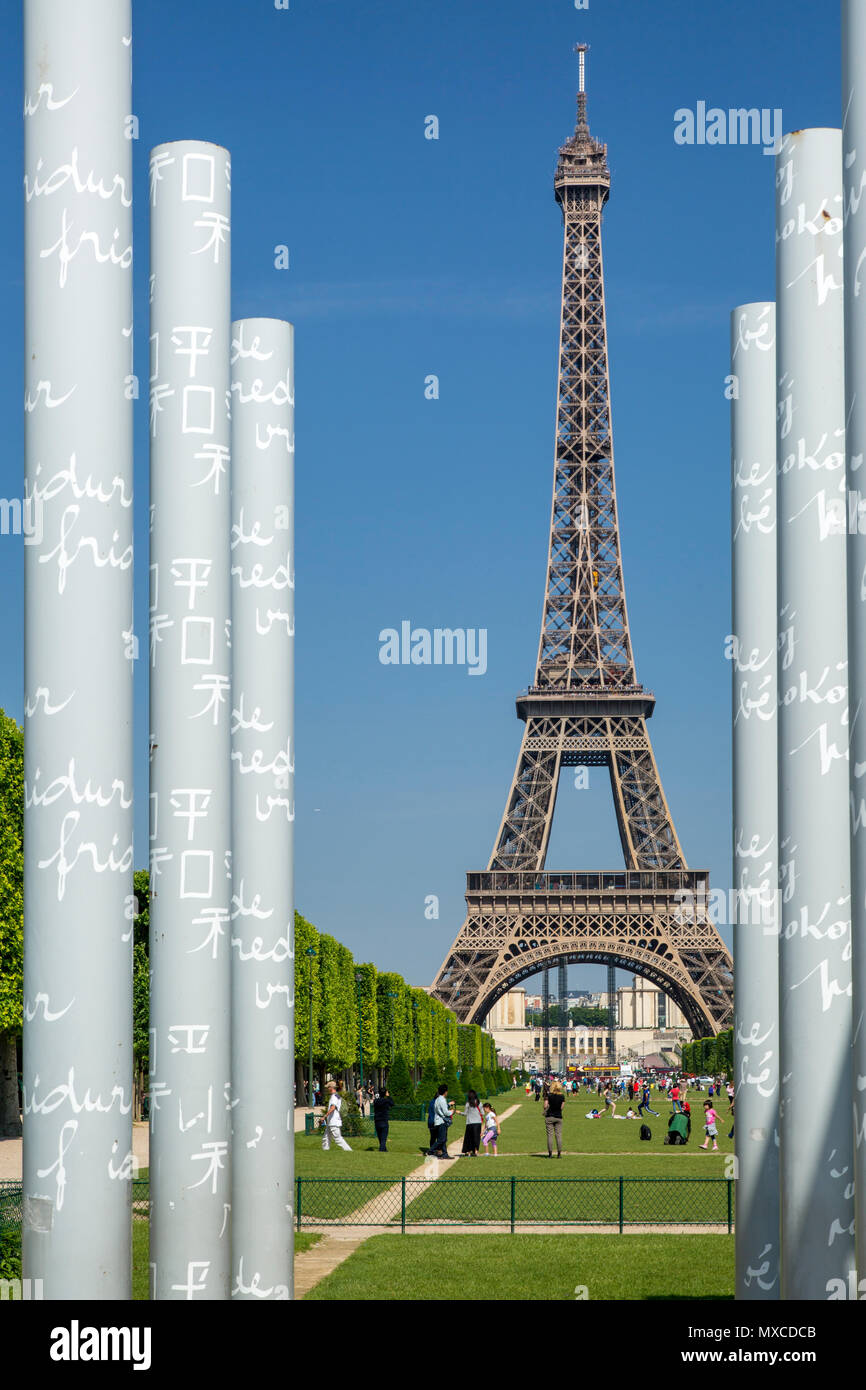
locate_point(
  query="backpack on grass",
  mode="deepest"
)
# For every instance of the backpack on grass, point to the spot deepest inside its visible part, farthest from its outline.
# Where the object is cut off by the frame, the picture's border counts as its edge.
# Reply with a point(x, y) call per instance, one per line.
point(646, 1132)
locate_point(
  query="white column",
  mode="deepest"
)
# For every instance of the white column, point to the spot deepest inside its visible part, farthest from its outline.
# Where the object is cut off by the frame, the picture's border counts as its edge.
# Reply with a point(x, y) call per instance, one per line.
point(190, 708)
point(816, 1130)
point(78, 648)
point(263, 758)
point(854, 166)
point(755, 842)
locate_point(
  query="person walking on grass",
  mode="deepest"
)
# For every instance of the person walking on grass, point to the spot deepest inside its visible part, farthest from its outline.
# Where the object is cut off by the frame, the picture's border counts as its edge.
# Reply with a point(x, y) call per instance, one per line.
point(712, 1132)
point(474, 1121)
point(333, 1126)
point(609, 1102)
point(553, 1118)
point(491, 1129)
point(381, 1116)
point(645, 1101)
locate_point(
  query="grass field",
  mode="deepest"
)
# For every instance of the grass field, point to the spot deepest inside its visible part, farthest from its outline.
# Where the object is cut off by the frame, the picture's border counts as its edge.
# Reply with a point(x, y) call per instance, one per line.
point(592, 1149)
point(450, 1265)
point(543, 1268)
point(140, 1254)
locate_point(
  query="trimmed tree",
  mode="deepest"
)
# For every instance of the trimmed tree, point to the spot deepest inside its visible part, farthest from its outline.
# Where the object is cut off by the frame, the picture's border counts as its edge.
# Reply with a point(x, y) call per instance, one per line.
point(452, 1081)
point(475, 1082)
point(369, 1036)
point(400, 1082)
point(429, 1083)
point(140, 988)
point(306, 972)
point(11, 919)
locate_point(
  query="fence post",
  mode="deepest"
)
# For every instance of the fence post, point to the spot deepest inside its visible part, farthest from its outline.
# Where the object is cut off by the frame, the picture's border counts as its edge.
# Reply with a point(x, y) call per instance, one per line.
point(621, 1181)
point(513, 1202)
point(298, 1205)
point(403, 1206)
point(730, 1205)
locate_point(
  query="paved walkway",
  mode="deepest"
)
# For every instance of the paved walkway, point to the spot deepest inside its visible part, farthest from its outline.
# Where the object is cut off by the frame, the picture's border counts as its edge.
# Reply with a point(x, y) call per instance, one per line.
point(314, 1265)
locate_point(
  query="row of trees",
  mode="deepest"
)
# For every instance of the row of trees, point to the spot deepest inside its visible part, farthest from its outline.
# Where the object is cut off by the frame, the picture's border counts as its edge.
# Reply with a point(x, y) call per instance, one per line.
point(488, 1082)
point(559, 1017)
point(710, 1056)
point(331, 991)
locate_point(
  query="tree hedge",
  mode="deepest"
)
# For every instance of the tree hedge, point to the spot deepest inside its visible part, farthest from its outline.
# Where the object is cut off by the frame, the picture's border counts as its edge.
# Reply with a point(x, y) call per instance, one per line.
point(11, 919)
point(710, 1056)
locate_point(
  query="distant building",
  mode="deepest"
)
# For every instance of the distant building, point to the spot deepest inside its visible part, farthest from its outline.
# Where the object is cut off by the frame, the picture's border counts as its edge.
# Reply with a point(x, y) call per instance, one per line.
point(648, 1023)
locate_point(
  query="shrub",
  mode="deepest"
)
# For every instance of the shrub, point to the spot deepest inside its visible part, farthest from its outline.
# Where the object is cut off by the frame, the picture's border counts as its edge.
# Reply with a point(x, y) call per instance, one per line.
point(452, 1081)
point(475, 1081)
point(351, 1114)
point(429, 1083)
point(400, 1082)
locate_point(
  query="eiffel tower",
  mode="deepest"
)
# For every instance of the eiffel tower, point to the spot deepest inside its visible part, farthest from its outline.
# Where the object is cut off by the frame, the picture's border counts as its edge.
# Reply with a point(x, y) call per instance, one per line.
point(586, 708)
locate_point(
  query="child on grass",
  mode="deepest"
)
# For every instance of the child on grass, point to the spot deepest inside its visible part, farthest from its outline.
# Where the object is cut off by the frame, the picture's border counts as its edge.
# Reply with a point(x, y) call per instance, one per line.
point(710, 1126)
point(491, 1129)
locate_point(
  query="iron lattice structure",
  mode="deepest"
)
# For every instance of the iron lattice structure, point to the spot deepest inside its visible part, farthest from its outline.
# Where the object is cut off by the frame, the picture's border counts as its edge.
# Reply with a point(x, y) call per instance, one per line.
point(586, 708)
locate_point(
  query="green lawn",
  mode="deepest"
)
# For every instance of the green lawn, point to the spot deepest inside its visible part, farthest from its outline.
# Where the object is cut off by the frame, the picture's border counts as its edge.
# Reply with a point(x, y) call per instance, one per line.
point(463, 1268)
point(140, 1253)
point(593, 1149)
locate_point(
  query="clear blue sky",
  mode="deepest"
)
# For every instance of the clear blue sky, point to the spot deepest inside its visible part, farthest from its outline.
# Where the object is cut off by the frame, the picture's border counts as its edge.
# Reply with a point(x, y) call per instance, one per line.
point(411, 257)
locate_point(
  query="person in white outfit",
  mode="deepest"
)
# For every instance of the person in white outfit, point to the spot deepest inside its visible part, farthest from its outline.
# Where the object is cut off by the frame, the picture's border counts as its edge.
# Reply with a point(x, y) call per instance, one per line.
point(333, 1126)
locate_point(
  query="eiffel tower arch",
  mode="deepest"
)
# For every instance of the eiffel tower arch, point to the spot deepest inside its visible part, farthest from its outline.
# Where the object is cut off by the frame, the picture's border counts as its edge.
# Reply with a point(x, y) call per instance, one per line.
point(586, 708)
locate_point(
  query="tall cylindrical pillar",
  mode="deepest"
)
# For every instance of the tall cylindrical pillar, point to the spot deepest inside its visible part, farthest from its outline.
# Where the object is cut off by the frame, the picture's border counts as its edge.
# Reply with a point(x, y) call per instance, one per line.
point(190, 707)
point(815, 1128)
point(262, 928)
point(755, 843)
point(854, 167)
point(78, 649)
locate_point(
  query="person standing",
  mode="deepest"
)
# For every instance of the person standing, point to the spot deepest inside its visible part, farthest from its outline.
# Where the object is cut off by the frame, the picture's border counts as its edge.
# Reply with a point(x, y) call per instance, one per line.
point(441, 1119)
point(332, 1129)
point(382, 1104)
point(474, 1121)
point(609, 1102)
point(710, 1118)
point(553, 1119)
point(491, 1129)
point(675, 1097)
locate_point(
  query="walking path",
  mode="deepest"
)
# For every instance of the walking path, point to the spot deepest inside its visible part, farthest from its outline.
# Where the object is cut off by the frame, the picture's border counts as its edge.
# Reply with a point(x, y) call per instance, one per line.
point(314, 1265)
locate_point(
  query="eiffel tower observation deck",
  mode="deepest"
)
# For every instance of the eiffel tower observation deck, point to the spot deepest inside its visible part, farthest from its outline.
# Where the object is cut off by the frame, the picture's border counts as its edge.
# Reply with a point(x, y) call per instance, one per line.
point(586, 707)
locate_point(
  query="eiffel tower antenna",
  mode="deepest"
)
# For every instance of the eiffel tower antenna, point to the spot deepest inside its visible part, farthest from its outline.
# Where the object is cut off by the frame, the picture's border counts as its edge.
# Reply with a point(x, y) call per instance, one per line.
point(581, 50)
point(585, 708)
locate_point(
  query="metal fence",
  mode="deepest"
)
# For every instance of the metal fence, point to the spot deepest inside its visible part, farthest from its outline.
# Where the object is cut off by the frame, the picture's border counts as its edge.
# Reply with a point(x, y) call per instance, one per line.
point(12, 1204)
point(511, 1202)
point(10, 1207)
